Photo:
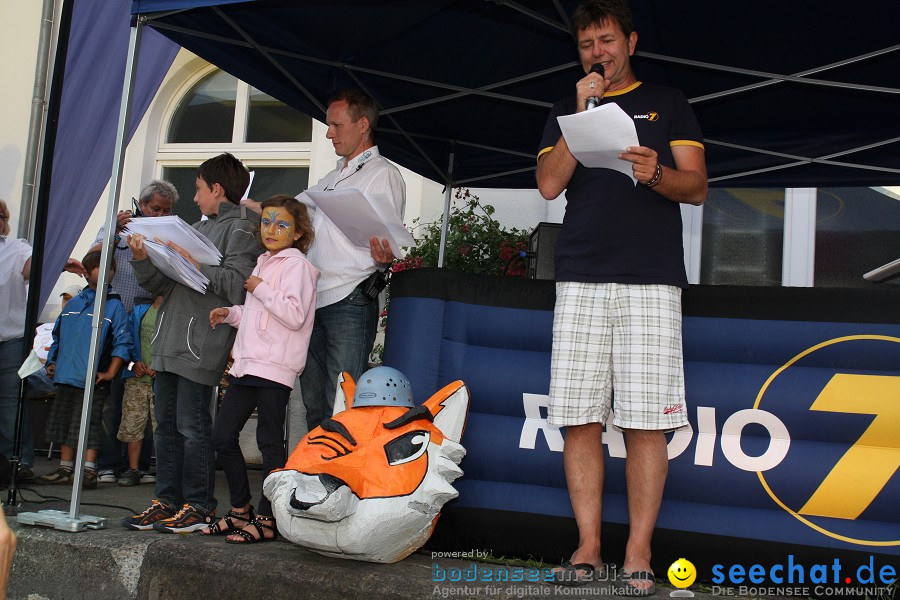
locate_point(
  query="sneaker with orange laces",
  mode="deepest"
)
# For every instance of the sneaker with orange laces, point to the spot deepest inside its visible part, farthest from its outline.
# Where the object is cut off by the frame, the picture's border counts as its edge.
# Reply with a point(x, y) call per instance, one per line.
point(157, 511)
point(186, 520)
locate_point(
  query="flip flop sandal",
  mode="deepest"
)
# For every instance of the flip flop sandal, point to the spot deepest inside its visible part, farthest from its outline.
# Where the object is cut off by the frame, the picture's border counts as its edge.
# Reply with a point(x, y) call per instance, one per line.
point(229, 518)
point(568, 574)
point(626, 579)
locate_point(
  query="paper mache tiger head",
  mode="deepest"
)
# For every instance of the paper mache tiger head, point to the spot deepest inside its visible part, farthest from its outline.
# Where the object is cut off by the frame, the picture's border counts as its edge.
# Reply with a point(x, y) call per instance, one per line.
point(369, 482)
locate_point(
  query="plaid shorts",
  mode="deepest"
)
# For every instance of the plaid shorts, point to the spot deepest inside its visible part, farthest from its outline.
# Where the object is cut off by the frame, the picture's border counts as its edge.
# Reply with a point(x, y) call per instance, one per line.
point(64, 420)
point(137, 408)
point(621, 339)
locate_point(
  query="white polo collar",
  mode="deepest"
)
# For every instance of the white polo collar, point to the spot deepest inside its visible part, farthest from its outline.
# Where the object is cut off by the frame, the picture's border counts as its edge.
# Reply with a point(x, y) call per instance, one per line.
point(358, 161)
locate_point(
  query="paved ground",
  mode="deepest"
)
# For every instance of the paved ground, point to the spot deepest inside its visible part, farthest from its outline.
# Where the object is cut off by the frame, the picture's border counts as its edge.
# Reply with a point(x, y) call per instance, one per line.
point(114, 563)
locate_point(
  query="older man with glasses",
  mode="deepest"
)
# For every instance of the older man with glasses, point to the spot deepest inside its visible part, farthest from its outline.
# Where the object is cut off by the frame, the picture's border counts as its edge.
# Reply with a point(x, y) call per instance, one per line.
point(156, 200)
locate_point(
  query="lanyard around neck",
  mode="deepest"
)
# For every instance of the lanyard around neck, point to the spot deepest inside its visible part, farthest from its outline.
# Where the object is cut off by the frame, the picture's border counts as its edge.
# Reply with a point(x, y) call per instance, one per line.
point(345, 177)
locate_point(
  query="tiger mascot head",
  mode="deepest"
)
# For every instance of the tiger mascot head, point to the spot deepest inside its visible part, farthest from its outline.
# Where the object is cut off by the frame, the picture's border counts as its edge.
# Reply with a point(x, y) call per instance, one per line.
point(369, 482)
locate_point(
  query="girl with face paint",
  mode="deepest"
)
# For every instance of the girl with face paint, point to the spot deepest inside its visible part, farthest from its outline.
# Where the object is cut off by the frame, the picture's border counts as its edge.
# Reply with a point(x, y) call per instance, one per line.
point(274, 326)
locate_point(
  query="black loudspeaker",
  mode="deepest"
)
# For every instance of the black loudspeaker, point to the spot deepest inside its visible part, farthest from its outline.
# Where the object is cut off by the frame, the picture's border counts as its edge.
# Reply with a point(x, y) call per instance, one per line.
point(542, 243)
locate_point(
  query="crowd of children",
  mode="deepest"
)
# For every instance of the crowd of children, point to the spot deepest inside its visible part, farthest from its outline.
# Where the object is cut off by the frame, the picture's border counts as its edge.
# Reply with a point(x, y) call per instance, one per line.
point(171, 351)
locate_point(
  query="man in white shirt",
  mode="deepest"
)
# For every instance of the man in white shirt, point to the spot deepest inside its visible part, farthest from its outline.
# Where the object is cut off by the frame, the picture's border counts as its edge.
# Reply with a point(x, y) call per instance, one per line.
point(15, 273)
point(346, 320)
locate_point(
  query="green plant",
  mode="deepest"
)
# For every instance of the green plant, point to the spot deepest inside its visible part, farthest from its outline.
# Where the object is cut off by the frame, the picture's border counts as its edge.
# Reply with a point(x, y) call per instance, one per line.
point(476, 243)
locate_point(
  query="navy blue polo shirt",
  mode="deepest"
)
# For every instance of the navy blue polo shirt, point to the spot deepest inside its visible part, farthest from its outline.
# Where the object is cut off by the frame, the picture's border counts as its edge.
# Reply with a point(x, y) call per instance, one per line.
point(614, 231)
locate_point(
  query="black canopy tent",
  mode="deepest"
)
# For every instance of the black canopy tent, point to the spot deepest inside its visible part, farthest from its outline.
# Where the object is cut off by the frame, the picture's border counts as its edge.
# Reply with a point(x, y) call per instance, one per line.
point(789, 94)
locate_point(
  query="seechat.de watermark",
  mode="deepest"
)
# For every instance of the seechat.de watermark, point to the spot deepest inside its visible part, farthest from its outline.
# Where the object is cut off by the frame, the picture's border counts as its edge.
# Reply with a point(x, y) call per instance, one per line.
point(794, 578)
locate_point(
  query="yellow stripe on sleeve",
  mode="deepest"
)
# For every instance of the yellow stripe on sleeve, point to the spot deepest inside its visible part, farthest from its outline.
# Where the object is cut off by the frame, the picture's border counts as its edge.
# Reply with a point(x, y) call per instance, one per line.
point(543, 152)
point(686, 143)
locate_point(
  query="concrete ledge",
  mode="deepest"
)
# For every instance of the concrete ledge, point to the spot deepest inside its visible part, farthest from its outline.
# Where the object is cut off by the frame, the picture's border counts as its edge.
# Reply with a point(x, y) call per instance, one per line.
point(118, 564)
point(277, 570)
point(94, 564)
point(115, 564)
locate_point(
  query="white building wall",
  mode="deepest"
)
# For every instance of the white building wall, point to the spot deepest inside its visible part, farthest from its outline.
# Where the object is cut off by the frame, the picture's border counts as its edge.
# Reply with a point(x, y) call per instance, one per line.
point(19, 33)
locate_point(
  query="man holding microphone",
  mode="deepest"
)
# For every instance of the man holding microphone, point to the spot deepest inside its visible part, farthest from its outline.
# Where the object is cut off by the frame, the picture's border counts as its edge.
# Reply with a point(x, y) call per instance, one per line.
point(619, 273)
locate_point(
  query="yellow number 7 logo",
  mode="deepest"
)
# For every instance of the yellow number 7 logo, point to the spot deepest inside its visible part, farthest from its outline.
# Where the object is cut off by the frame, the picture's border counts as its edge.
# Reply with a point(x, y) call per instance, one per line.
point(869, 464)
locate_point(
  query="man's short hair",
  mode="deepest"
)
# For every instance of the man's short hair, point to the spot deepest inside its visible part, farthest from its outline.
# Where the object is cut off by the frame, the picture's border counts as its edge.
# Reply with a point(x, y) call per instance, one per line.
point(91, 261)
point(227, 171)
point(359, 104)
point(596, 12)
point(164, 189)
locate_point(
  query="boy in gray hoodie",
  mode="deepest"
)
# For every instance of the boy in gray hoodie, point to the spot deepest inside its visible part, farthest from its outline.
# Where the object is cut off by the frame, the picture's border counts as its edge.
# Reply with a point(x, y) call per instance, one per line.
point(188, 356)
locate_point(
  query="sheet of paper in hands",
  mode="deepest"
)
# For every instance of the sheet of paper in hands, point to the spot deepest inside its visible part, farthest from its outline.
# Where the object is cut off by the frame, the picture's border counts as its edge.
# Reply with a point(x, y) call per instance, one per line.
point(249, 185)
point(174, 229)
point(174, 266)
point(359, 217)
point(596, 137)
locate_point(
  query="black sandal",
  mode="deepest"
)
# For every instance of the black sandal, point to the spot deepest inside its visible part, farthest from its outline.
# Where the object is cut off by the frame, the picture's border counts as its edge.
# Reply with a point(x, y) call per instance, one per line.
point(259, 523)
point(247, 517)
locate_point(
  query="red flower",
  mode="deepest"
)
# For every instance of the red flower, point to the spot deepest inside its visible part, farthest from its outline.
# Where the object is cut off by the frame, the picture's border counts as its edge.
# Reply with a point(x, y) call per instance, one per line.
point(409, 262)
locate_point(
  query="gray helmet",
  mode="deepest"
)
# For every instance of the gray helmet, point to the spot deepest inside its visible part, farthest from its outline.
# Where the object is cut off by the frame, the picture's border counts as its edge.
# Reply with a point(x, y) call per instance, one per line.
point(383, 386)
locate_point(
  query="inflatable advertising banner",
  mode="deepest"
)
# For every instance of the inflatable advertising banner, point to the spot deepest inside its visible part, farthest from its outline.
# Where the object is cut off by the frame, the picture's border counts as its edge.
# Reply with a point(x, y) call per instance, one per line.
point(793, 397)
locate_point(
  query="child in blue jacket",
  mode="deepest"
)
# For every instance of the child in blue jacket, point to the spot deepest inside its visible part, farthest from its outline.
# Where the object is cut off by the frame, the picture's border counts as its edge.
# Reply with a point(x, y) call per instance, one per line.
point(67, 364)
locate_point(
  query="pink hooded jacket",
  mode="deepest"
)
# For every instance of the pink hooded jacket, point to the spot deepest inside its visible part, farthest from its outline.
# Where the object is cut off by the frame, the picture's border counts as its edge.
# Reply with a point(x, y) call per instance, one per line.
point(276, 320)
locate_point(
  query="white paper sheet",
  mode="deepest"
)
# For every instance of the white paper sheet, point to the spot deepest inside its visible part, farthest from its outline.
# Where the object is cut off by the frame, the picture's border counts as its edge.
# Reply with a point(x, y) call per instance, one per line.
point(247, 191)
point(596, 137)
point(31, 365)
point(360, 216)
point(174, 229)
point(175, 266)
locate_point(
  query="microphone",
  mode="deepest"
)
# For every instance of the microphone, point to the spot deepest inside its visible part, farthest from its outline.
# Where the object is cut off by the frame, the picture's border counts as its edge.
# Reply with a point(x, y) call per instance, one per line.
point(593, 101)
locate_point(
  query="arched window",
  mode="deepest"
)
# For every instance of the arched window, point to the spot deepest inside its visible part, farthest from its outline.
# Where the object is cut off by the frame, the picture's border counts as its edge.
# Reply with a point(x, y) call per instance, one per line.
point(219, 113)
point(206, 113)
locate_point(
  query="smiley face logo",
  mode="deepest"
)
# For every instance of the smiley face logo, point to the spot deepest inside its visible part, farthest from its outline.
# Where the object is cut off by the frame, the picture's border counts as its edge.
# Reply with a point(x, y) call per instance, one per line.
point(682, 573)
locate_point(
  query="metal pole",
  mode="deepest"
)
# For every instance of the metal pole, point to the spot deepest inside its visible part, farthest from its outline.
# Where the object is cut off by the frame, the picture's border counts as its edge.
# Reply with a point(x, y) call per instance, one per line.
point(35, 126)
point(105, 258)
point(73, 521)
point(448, 192)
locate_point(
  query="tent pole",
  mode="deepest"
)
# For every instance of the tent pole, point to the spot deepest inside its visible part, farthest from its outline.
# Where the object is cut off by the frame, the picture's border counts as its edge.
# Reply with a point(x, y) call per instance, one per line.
point(106, 257)
point(74, 522)
point(448, 191)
